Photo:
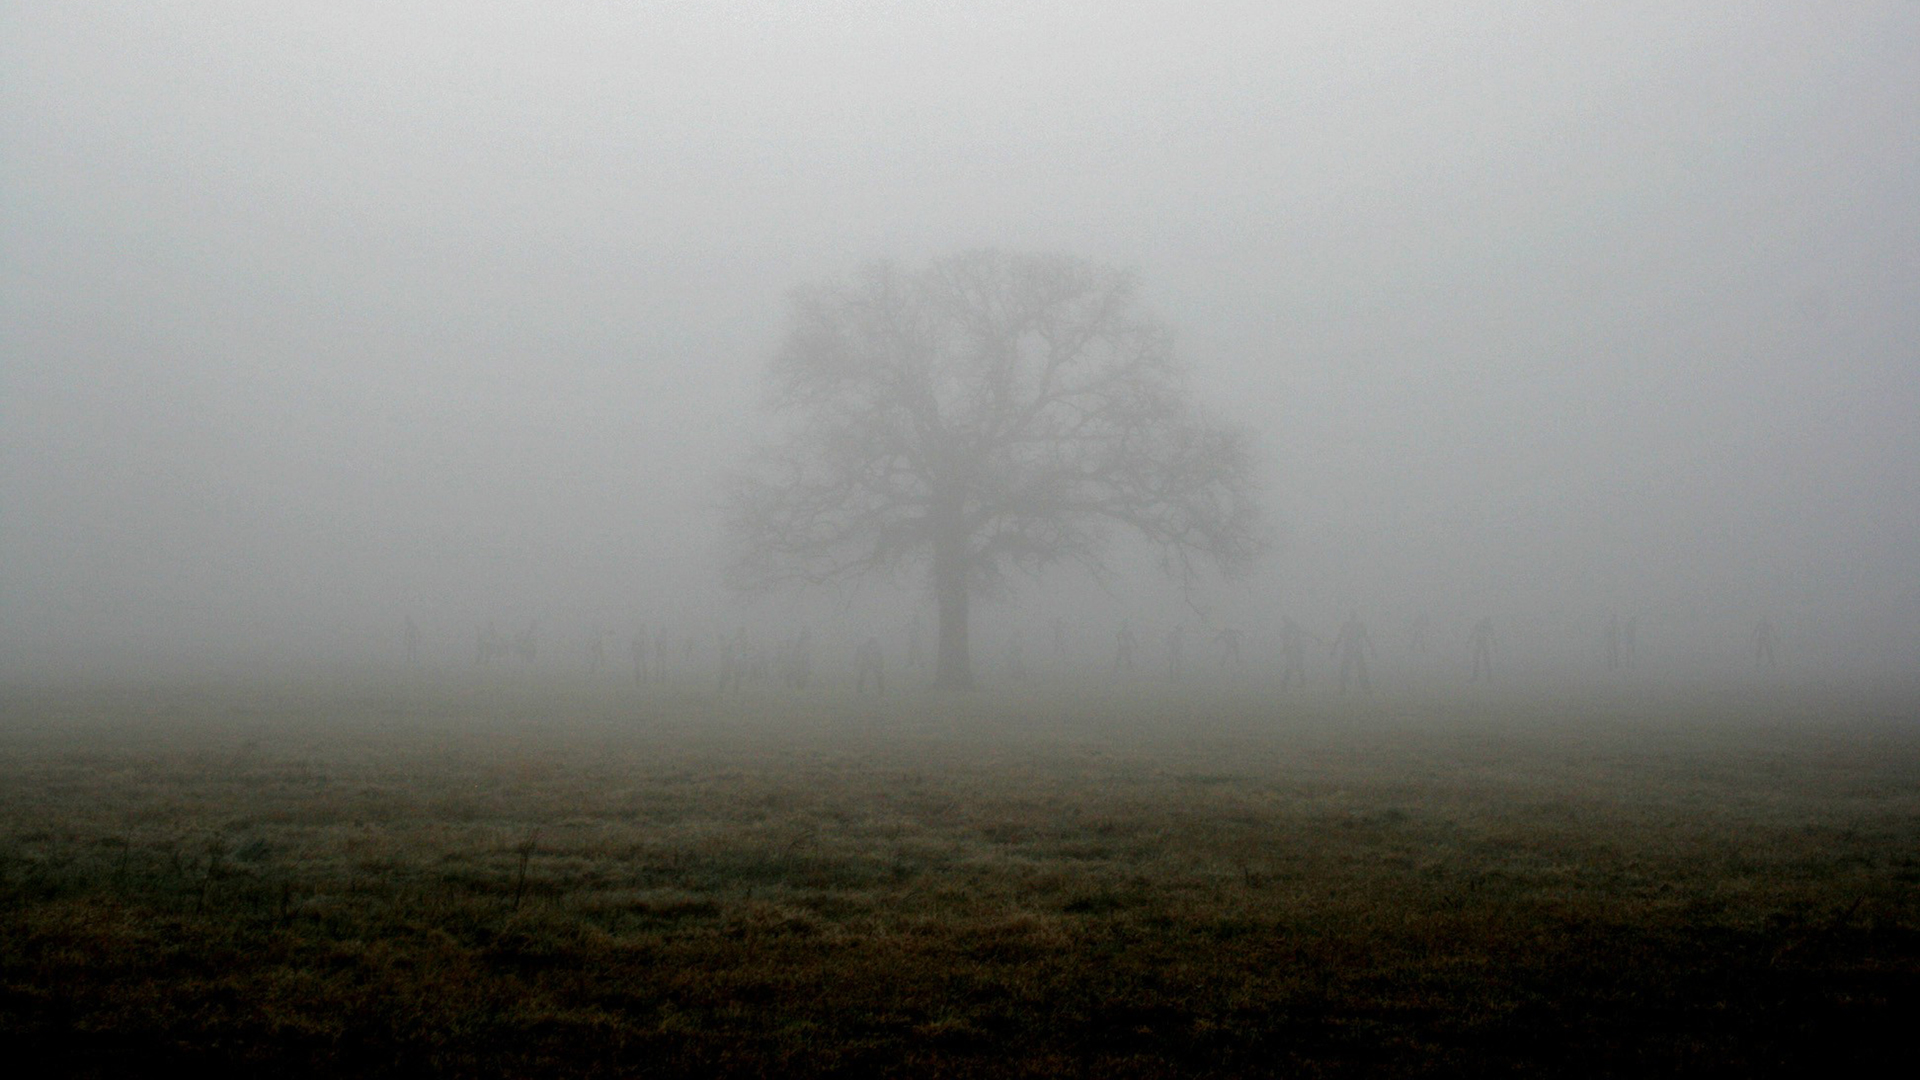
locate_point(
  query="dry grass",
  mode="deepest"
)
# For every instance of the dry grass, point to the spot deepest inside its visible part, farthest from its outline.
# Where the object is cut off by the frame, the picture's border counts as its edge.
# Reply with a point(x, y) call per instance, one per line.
point(564, 880)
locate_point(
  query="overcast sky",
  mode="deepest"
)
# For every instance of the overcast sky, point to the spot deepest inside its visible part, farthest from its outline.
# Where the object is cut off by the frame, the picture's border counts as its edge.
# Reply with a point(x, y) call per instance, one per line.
point(319, 314)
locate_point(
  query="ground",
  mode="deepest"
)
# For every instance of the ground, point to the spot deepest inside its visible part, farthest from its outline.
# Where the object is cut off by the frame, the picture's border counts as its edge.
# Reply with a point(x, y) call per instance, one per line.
point(438, 877)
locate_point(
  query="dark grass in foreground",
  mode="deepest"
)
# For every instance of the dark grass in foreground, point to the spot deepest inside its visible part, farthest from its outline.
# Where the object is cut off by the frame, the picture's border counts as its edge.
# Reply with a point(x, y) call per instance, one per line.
point(562, 880)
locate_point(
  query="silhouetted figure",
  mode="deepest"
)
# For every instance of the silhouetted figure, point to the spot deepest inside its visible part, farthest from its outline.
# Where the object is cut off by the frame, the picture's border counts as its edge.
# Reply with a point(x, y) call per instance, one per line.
point(410, 641)
point(1229, 641)
point(916, 651)
point(1628, 632)
point(867, 663)
point(1124, 644)
point(1351, 646)
point(727, 677)
point(755, 655)
point(1177, 653)
point(1482, 651)
point(640, 657)
point(799, 665)
point(1763, 642)
point(1418, 634)
point(1293, 652)
point(1016, 658)
point(1613, 641)
point(488, 645)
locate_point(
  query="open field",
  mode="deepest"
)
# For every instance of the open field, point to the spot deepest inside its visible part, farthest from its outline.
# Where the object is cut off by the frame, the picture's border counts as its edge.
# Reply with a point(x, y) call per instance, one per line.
point(560, 879)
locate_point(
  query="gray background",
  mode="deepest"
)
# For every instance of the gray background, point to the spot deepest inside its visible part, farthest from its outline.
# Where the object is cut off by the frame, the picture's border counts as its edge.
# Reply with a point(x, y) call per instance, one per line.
point(318, 316)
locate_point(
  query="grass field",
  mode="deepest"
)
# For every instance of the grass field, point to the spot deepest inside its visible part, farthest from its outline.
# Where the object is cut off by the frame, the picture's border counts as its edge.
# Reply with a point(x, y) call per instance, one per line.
point(560, 879)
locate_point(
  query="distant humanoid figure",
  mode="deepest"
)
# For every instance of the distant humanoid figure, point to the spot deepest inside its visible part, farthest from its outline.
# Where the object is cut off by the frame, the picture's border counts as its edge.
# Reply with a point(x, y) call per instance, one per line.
point(1417, 634)
point(727, 675)
point(1123, 647)
point(488, 644)
point(1293, 652)
point(1482, 651)
point(1763, 642)
point(755, 660)
point(799, 665)
point(743, 658)
point(916, 652)
point(1351, 646)
point(1016, 658)
point(410, 640)
point(867, 663)
point(1177, 653)
point(1229, 641)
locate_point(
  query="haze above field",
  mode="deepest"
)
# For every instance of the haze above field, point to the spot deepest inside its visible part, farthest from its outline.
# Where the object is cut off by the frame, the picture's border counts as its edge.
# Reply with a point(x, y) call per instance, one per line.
point(318, 317)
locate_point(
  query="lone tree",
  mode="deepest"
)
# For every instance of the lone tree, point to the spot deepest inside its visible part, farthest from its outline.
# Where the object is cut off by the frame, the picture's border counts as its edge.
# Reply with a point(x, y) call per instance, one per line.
point(993, 411)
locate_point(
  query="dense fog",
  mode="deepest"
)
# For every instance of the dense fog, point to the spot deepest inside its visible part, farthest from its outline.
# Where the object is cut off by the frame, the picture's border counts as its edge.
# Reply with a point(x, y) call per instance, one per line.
point(324, 319)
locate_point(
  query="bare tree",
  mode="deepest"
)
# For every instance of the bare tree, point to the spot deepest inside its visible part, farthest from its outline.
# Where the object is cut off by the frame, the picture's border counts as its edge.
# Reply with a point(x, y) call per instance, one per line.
point(993, 411)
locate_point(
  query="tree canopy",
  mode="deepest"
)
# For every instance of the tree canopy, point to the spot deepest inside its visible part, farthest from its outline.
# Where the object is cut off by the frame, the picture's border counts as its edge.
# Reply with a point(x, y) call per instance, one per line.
point(990, 412)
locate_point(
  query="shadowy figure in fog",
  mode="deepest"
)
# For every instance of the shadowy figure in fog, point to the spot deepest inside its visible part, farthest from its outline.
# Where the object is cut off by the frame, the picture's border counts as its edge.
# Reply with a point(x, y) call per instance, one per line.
point(1628, 632)
point(410, 641)
point(727, 673)
point(1351, 647)
point(1124, 644)
point(1293, 652)
point(1419, 634)
point(869, 663)
point(757, 665)
point(640, 656)
point(1613, 641)
point(1763, 639)
point(488, 645)
point(1177, 653)
point(1229, 641)
point(799, 664)
point(1016, 658)
point(916, 651)
point(527, 645)
point(746, 662)
point(1482, 637)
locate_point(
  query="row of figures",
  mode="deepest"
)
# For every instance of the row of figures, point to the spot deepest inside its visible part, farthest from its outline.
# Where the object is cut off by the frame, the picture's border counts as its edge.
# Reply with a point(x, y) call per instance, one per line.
point(1351, 647)
point(742, 661)
point(1354, 655)
point(653, 656)
point(490, 644)
point(1620, 641)
point(739, 660)
point(1479, 644)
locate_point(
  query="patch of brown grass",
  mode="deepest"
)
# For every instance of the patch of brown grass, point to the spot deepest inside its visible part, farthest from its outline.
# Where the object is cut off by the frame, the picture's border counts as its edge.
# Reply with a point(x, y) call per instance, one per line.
point(465, 880)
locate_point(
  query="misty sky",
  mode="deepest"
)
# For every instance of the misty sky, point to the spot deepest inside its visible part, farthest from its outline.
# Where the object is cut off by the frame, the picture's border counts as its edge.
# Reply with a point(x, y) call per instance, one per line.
point(315, 314)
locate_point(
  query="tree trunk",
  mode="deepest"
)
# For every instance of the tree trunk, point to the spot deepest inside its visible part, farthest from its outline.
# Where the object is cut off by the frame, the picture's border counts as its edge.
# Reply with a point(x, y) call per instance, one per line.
point(953, 668)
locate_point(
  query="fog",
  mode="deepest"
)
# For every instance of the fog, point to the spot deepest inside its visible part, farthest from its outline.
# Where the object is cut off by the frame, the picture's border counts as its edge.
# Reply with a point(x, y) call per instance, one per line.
point(320, 318)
